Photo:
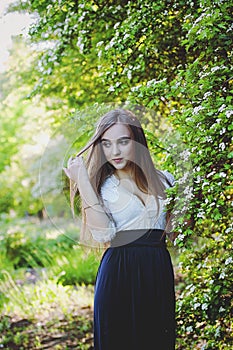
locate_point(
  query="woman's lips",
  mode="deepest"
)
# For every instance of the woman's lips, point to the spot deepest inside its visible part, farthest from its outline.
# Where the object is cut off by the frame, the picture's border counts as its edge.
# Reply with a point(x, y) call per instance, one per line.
point(118, 160)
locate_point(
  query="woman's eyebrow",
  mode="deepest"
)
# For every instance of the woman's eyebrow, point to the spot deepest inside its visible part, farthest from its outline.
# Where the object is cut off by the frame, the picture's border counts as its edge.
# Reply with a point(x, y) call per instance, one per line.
point(120, 138)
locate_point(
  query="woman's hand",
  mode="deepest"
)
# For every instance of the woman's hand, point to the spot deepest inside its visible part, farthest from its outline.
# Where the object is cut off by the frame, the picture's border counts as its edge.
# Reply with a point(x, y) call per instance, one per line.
point(75, 169)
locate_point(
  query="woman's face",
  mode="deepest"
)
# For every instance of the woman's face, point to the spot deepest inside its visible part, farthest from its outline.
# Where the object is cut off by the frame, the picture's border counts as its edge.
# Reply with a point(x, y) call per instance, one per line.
point(117, 146)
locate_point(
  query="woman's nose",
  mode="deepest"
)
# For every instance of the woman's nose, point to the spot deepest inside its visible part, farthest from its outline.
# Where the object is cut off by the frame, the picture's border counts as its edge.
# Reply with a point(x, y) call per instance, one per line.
point(115, 149)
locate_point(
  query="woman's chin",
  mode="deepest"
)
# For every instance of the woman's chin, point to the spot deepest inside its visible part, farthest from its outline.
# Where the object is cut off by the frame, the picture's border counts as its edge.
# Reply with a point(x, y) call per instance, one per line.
point(120, 166)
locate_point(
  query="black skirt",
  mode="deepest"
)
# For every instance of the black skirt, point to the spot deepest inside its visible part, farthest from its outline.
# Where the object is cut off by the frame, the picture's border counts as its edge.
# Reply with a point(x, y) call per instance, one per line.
point(134, 303)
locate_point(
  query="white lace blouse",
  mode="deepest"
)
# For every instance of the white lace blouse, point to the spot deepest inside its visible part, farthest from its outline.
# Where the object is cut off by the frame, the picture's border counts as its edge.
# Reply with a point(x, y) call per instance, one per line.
point(128, 211)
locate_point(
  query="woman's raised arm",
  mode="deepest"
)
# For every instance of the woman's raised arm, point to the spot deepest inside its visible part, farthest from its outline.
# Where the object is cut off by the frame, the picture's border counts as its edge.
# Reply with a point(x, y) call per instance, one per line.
point(98, 222)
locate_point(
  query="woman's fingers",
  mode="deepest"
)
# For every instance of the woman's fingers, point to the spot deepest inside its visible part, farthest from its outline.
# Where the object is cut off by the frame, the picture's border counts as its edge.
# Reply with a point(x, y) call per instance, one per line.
point(66, 171)
point(74, 165)
point(75, 161)
point(70, 160)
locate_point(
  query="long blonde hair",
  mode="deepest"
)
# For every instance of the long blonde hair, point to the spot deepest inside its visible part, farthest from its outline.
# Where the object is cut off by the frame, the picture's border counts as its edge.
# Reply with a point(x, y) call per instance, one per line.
point(147, 178)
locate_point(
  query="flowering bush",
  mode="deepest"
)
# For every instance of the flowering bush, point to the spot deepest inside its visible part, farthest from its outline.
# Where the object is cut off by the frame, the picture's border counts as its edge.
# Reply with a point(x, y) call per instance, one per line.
point(205, 120)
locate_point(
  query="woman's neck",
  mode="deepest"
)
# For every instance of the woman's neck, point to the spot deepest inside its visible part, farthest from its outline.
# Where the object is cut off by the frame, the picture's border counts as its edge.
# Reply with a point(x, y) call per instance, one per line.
point(123, 174)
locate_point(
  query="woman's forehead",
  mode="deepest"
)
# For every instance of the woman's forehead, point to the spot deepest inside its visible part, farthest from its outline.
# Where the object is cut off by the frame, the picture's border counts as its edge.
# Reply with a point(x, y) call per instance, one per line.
point(116, 131)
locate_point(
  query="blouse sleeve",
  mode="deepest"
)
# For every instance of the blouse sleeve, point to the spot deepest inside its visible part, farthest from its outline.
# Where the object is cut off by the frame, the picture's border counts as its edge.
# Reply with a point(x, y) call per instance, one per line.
point(105, 234)
point(170, 178)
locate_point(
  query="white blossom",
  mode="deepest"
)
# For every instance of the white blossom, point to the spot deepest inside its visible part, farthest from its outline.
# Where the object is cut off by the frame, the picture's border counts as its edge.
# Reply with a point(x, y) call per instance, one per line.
point(100, 43)
point(167, 201)
point(185, 155)
point(230, 28)
point(222, 276)
point(221, 309)
point(217, 332)
point(188, 191)
point(207, 94)
point(214, 69)
point(191, 287)
point(154, 81)
point(80, 44)
point(223, 106)
point(228, 261)
point(197, 109)
point(173, 111)
point(181, 237)
point(198, 180)
point(204, 75)
point(116, 25)
point(135, 88)
point(205, 184)
point(222, 174)
point(222, 146)
point(204, 306)
point(201, 214)
point(222, 131)
point(229, 113)
point(210, 174)
point(111, 44)
point(229, 229)
point(183, 179)
point(208, 138)
point(129, 74)
point(196, 305)
point(126, 36)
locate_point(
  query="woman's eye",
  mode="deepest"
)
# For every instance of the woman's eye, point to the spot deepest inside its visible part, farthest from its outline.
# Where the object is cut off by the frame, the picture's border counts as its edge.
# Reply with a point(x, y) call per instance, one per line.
point(106, 144)
point(124, 142)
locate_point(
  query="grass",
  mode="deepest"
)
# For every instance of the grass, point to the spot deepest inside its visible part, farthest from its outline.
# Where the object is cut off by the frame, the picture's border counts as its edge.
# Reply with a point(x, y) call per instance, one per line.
point(53, 325)
point(46, 314)
point(55, 318)
point(46, 287)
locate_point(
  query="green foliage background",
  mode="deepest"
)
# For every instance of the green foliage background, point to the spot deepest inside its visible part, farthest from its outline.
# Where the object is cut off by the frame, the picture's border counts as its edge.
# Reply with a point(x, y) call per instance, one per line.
point(172, 57)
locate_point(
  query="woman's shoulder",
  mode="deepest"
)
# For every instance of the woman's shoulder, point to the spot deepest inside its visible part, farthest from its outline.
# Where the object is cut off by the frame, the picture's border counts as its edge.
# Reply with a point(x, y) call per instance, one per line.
point(166, 177)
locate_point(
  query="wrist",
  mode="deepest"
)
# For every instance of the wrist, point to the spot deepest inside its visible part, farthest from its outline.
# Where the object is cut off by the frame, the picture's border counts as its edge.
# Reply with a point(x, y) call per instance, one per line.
point(82, 178)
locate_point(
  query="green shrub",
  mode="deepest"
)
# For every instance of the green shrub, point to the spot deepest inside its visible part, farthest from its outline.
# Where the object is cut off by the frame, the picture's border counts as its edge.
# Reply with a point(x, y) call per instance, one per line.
point(25, 244)
point(77, 267)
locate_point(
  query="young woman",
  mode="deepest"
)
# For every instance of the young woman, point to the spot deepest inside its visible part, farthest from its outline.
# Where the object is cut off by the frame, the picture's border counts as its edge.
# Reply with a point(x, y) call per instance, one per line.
point(122, 198)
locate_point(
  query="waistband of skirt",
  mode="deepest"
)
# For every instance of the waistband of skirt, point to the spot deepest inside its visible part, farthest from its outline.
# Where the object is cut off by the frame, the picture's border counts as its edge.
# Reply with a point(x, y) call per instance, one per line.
point(142, 237)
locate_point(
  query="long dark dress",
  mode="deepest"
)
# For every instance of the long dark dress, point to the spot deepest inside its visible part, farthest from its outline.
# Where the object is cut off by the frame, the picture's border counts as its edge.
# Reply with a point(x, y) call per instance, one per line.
point(134, 303)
